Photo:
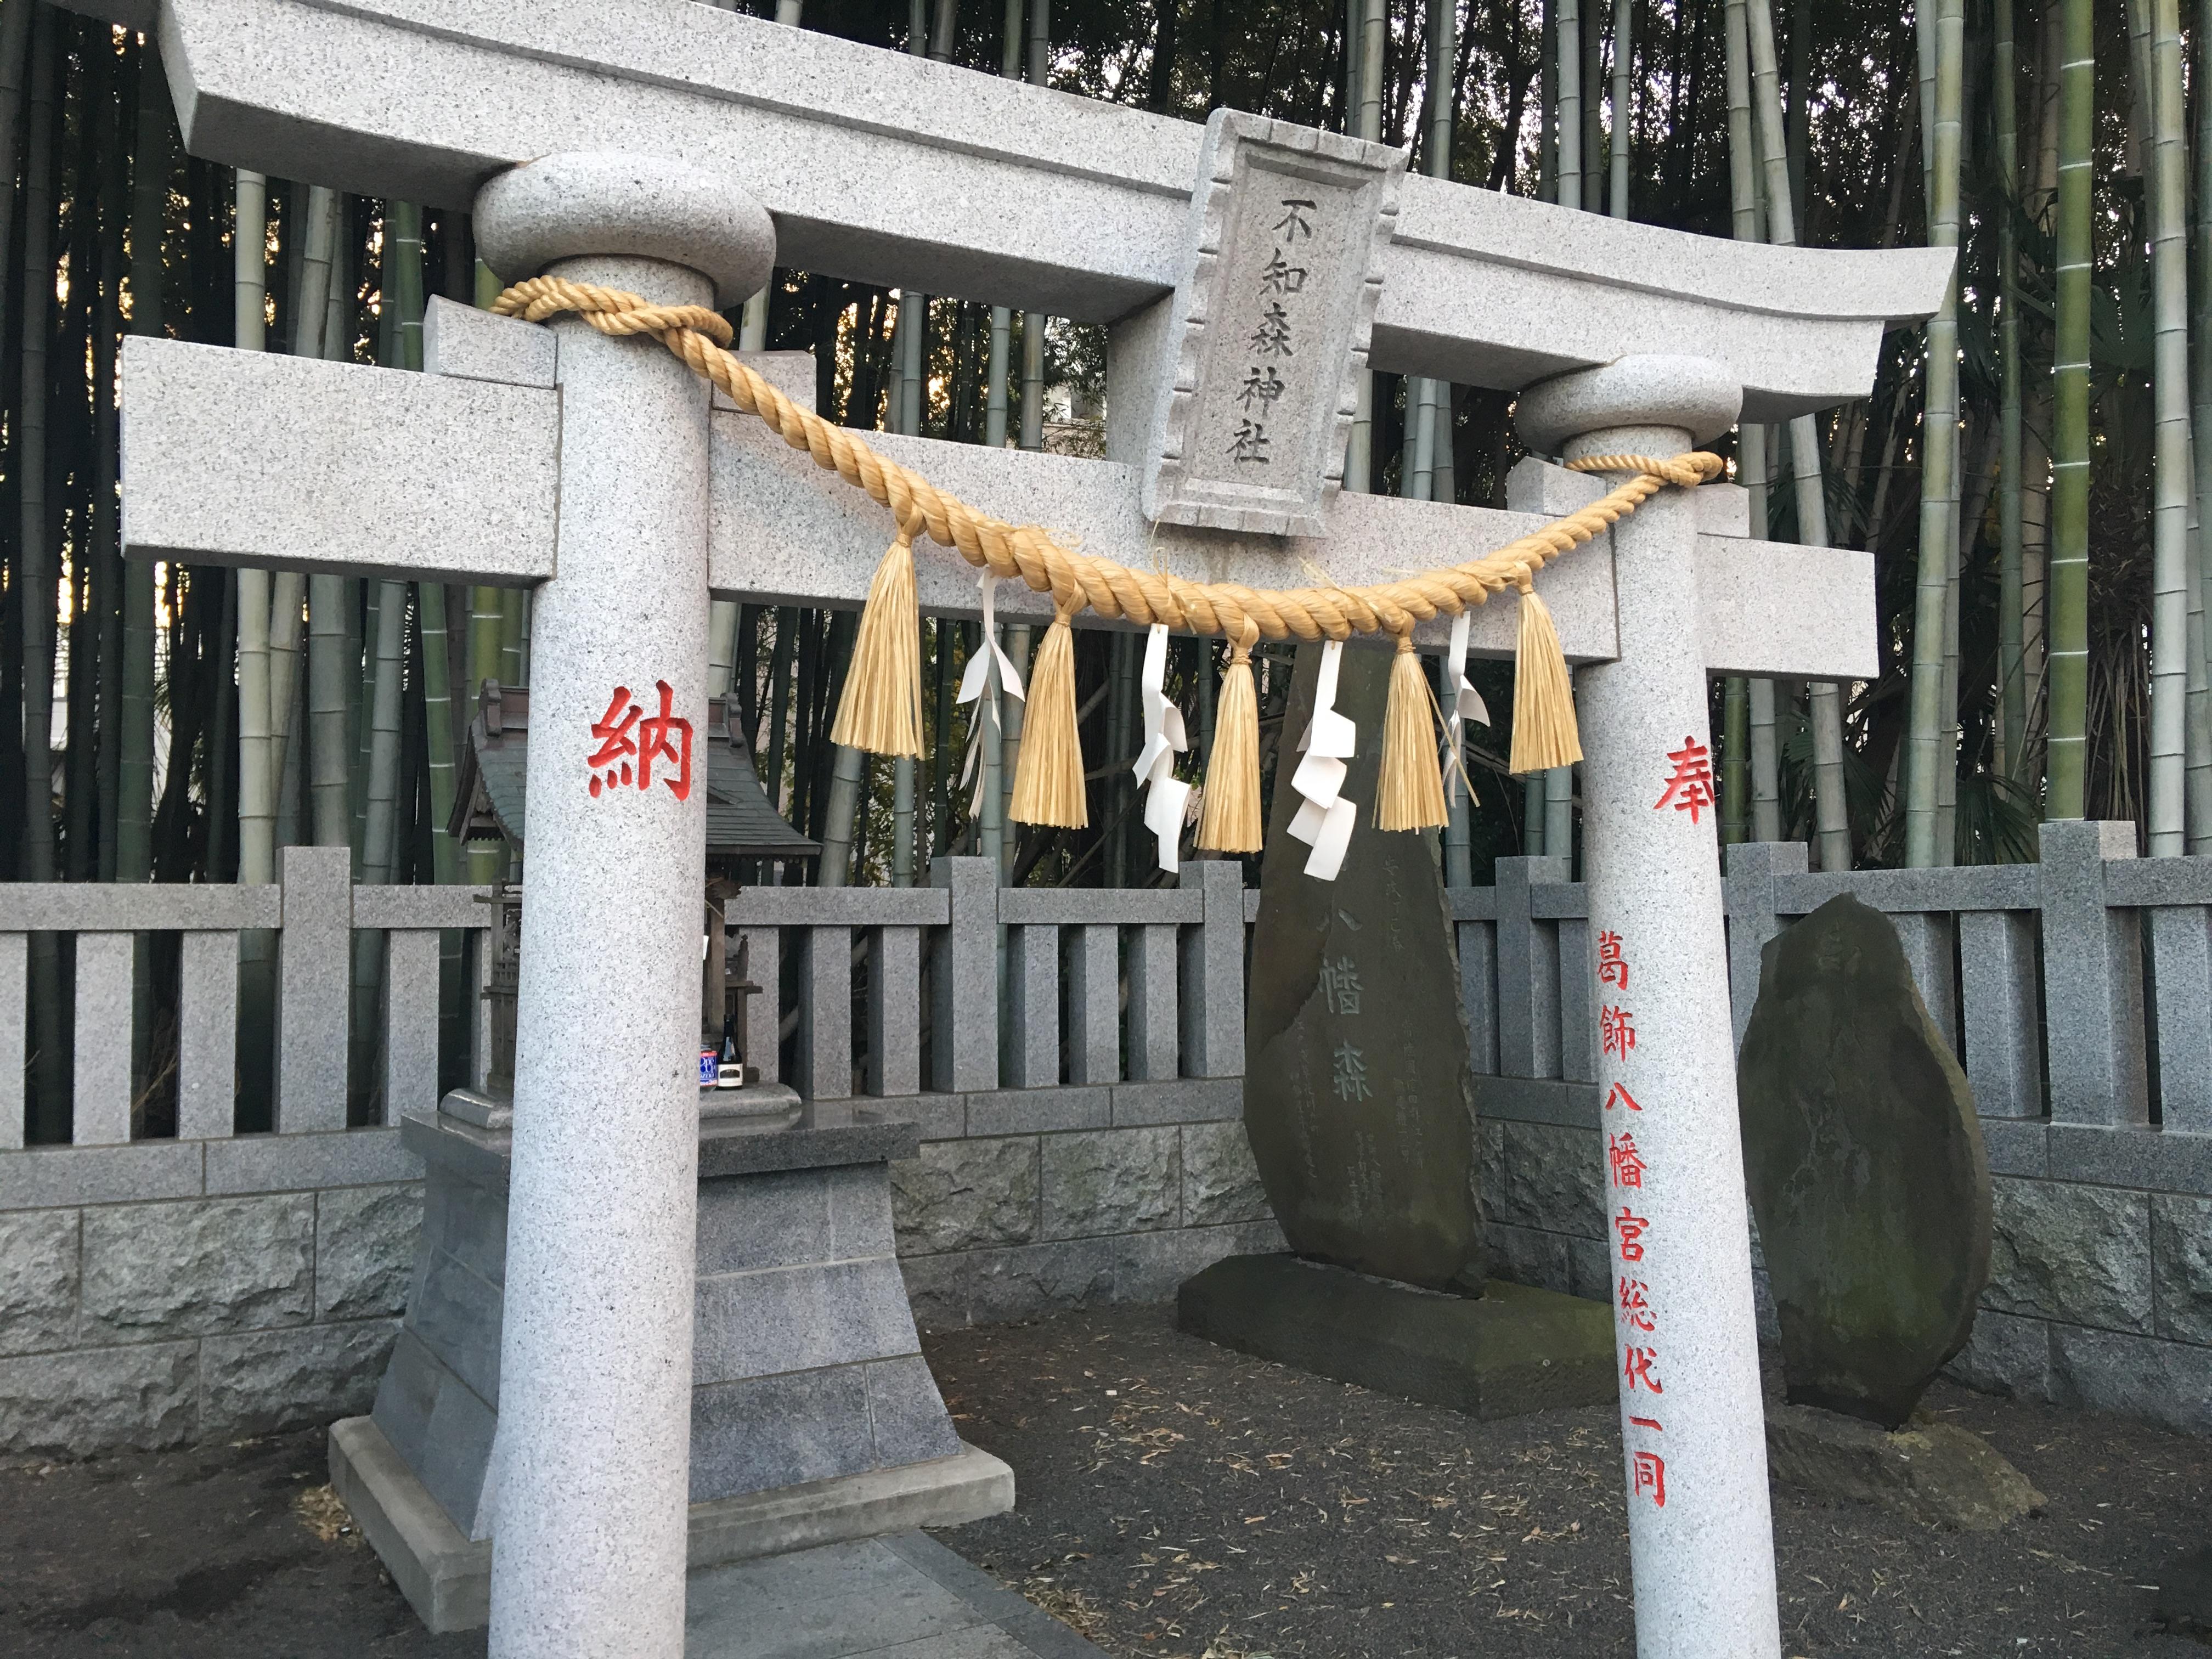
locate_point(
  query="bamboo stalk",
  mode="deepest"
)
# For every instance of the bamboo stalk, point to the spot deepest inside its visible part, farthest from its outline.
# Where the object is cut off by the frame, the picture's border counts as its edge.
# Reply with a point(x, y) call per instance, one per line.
point(151, 167)
point(2069, 575)
point(1624, 102)
point(1831, 808)
point(2012, 684)
point(2172, 459)
point(2200, 749)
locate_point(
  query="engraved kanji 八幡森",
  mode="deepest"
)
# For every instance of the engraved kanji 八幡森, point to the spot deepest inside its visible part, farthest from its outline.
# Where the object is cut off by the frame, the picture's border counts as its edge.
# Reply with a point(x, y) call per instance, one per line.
point(1340, 985)
point(1349, 1078)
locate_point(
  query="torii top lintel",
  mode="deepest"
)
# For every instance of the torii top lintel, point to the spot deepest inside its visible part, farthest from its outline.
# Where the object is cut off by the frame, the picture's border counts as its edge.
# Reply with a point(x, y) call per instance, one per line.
point(884, 168)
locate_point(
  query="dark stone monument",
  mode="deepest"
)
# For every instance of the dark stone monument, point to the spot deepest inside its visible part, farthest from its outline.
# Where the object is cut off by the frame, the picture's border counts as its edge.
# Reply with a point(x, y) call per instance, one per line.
point(1360, 1102)
point(1866, 1167)
point(1357, 1093)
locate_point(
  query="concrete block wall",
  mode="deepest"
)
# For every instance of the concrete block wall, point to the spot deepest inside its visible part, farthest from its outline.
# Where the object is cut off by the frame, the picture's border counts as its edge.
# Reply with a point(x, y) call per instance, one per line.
point(138, 1324)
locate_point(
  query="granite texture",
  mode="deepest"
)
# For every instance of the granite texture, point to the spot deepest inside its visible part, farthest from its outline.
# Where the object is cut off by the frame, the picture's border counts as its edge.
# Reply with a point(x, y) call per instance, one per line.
point(645, 207)
point(596, 1341)
point(365, 1249)
point(959, 1195)
point(38, 1280)
point(158, 1270)
point(1703, 1565)
point(1478, 288)
point(204, 427)
point(1541, 1175)
point(1115, 1181)
point(1270, 320)
point(2181, 1256)
point(2066, 1252)
point(1865, 1161)
point(1654, 390)
point(1358, 1095)
point(261, 1382)
point(141, 1398)
point(1220, 1182)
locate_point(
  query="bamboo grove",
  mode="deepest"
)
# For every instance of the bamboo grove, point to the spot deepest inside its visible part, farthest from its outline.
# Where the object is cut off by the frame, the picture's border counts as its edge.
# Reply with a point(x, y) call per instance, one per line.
point(2028, 471)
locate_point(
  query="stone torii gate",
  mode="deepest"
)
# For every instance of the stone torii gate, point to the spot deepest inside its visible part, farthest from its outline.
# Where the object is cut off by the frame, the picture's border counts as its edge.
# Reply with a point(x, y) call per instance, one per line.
point(597, 469)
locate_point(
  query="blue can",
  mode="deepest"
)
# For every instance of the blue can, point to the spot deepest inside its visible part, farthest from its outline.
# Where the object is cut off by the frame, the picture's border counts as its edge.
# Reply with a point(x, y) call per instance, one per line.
point(709, 1067)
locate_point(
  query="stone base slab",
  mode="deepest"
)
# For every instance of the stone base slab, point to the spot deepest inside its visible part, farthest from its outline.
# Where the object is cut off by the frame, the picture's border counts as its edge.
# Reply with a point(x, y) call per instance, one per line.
point(1512, 1349)
point(446, 1578)
point(1932, 1470)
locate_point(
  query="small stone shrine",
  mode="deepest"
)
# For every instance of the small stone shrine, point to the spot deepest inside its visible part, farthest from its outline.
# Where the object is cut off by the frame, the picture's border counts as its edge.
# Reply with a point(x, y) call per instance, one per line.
point(1359, 1098)
point(1868, 1180)
point(1866, 1167)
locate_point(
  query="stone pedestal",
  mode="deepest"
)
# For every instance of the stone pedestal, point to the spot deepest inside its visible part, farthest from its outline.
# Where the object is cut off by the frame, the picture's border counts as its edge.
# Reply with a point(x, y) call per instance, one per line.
point(1512, 1349)
point(813, 1415)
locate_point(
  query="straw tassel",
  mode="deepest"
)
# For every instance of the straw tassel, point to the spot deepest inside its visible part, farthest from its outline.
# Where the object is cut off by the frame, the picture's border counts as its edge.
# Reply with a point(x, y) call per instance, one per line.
point(1409, 789)
point(1229, 817)
point(1048, 777)
point(881, 709)
point(1544, 731)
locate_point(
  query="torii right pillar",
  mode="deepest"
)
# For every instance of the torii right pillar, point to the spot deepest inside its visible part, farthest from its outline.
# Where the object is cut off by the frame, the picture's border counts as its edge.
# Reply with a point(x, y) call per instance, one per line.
point(1701, 1538)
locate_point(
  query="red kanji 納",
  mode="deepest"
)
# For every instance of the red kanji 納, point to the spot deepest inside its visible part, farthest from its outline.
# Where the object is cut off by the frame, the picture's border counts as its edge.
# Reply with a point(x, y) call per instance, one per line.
point(1626, 1162)
point(1691, 787)
point(654, 745)
point(626, 735)
point(1612, 966)
point(617, 748)
point(1631, 1229)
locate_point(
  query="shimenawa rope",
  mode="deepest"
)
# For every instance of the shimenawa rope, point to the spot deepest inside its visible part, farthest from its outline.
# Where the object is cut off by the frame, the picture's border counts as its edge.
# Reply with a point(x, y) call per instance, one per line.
point(880, 712)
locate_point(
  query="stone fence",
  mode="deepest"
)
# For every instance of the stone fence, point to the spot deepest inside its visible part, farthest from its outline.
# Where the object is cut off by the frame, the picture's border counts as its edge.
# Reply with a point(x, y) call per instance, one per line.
point(1080, 1124)
point(1081, 1133)
point(2078, 995)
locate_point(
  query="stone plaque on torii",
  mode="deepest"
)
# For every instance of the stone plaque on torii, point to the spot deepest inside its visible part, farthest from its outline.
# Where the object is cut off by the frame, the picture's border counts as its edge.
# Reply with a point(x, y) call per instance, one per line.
point(1633, 339)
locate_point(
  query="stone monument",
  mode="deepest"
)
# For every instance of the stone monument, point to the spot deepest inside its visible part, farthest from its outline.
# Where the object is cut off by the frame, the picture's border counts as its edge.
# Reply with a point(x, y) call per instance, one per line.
point(1868, 1175)
point(1358, 1099)
point(1866, 1167)
point(597, 470)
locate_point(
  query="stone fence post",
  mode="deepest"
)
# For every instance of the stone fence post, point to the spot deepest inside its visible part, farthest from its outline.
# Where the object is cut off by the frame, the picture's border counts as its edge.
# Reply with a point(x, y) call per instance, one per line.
point(314, 959)
point(963, 1050)
point(1527, 973)
point(1213, 972)
point(1752, 868)
point(2093, 983)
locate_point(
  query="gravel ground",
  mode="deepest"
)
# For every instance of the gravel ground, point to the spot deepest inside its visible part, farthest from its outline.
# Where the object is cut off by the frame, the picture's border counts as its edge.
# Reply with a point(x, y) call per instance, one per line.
point(1178, 1499)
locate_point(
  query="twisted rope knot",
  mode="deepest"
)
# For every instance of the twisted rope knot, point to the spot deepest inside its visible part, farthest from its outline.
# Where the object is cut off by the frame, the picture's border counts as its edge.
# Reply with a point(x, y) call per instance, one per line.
point(1078, 580)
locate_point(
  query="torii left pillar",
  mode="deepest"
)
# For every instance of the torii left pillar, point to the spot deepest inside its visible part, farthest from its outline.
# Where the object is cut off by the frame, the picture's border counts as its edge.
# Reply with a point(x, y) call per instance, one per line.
point(593, 1461)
